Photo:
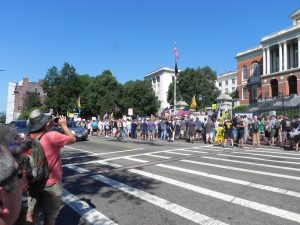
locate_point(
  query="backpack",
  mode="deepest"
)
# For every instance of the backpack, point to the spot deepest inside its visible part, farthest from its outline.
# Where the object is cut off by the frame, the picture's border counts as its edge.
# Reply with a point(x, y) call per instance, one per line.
point(36, 166)
point(277, 125)
point(256, 126)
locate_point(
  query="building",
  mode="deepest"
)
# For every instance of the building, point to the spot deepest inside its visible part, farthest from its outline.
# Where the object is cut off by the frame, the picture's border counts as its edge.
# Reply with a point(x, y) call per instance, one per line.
point(161, 79)
point(226, 82)
point(16, 96)
point(272, 70)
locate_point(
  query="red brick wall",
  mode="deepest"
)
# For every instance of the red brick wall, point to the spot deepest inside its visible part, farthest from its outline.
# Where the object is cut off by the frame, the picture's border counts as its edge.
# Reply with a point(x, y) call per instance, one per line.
point(248, 63)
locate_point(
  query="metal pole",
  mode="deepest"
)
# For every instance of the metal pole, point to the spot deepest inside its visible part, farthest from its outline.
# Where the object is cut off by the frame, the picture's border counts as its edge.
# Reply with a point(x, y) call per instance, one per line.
point(175, 94)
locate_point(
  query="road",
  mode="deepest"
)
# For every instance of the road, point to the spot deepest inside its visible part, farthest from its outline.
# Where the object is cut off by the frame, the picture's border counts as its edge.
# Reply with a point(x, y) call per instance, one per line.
point(112, 182)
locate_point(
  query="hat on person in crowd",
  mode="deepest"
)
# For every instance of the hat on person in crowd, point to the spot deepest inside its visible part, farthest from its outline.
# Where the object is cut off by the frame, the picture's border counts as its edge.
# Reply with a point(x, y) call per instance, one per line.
point(37, 119)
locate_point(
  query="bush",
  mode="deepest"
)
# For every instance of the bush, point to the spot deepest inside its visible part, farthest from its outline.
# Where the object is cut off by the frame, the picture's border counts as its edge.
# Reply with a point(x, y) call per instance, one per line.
point(240, 109)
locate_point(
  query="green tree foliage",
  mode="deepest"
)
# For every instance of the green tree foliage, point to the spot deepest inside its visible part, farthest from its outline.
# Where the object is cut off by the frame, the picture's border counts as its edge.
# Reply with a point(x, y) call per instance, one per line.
point(32, 101)
point(104, 91)
point(199, 82)
point(63, 88)
point(140, 96)
point(2, 117)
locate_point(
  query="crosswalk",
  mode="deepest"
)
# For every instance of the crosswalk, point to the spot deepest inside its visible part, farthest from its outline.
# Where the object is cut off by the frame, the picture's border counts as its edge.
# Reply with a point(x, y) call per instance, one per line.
point(194, 185)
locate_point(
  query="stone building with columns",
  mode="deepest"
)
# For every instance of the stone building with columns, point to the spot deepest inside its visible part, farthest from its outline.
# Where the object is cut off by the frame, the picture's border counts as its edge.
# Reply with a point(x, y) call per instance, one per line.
point(271, 70)
point(161, 79)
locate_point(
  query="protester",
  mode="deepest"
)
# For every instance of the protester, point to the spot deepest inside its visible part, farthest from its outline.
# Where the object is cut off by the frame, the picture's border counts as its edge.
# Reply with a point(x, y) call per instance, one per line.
point(228, 131)
point(12, 186)
point(49, 200)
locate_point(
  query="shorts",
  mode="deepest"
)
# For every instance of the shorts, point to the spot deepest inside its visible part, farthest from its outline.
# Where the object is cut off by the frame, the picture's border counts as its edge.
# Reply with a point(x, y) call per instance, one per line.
point(240, 133)
point(273, 133)
point(49, 200)
point(228, 134)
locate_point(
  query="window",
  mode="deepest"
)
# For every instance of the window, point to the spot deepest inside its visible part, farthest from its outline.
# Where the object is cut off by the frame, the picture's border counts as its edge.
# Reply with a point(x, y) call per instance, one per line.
point(220, 84)
point(226, 90)
point(233, 81)
point(254, 91)
point(232, 89)
point(244, 92)
point(255, 70)
point(244, 73)
point(226, 82)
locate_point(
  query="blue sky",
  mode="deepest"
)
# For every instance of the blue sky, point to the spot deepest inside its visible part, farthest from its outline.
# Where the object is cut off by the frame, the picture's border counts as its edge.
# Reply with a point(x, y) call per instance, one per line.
point(131, 38)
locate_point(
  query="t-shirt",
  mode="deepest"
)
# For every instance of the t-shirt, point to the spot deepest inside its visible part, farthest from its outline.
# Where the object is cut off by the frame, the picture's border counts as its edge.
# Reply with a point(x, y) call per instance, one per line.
point(52, 143)
point(228, 125)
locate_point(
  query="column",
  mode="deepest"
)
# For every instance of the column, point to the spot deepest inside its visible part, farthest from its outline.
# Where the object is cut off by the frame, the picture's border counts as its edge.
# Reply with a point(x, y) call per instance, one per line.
point(284, 55)
point(280, 57)
point(298, 52)
point(273, 61)
point(265, 62)
point(291, 56)
point(268, 60)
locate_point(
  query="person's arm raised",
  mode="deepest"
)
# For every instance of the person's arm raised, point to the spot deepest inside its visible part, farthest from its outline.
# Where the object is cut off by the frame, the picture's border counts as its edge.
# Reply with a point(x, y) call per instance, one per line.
point(63, 124)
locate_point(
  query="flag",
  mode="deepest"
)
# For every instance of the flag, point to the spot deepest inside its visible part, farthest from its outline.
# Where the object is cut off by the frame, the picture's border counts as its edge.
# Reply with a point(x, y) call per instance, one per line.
point(111, 117)
point(193, 103)
point(152, 117)
point(176, 58)
point(176, 69)
point(115, 108)
point(105, 116)
point(68, 113)
point(79, 104)
point(176, 53)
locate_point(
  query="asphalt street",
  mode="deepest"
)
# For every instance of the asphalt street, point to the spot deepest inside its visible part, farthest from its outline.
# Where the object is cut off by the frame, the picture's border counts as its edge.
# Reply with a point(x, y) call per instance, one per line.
point(135, 182)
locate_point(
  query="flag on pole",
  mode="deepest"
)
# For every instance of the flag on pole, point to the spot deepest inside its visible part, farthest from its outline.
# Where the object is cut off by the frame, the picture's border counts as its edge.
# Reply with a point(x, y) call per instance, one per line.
point(68, 113)
point(176, 58)
point(115, 108)
point(193, 103)
point(78, 104)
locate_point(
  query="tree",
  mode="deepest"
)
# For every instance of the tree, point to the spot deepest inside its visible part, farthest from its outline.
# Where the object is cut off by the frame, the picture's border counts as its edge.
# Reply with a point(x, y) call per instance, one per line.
point(32, 101)
point(2, 117)
point(63, 88)
point(199, 82)
point(104, 91)
point(140, 96)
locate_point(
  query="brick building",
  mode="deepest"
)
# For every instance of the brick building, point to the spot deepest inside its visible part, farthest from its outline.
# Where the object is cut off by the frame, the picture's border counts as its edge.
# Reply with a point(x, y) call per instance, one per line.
point(272, 70)
point(16, 95)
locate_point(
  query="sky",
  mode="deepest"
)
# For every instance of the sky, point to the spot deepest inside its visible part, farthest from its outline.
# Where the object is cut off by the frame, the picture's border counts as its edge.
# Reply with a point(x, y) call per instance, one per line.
point(131, 38)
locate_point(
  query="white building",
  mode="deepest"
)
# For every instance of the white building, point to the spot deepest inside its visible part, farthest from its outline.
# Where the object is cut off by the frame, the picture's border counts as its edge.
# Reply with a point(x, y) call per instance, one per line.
point(227, 82)
point(10, 102)
point(161, 79)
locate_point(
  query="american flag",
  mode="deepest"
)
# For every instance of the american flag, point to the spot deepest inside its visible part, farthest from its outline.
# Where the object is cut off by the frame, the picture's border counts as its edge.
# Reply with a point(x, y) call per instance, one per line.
point(176, 54)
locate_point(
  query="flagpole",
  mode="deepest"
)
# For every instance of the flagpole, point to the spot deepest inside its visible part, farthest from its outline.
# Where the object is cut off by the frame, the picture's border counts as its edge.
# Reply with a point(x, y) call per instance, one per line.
point(175, 94)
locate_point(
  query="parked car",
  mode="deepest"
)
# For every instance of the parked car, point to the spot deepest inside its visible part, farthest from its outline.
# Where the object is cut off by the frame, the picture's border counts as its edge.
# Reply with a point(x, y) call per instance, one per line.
point(20, 125)
point(81, 133)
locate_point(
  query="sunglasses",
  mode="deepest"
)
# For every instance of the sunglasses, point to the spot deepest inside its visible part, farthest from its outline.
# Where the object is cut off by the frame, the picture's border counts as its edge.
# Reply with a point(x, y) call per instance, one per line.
point(17, 173)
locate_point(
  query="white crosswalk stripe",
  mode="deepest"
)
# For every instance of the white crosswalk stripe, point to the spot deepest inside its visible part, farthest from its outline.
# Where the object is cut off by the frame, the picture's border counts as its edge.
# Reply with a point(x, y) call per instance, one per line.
point(265, 167)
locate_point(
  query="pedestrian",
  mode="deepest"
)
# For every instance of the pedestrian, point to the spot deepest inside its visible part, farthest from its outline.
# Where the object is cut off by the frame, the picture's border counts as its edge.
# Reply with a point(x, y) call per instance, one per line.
point(12, 186)
point(228, 131)
point(49, 200)
point(255, 124)
point(241, 129)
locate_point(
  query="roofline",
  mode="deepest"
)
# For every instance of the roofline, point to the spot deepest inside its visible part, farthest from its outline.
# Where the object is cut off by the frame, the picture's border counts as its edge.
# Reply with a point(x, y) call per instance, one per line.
point(227, 74)
point(290, 16)
point(159, 70)
point(248, 51)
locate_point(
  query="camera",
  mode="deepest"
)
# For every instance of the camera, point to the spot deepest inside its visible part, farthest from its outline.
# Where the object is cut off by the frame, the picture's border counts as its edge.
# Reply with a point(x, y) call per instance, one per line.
point(55, 120)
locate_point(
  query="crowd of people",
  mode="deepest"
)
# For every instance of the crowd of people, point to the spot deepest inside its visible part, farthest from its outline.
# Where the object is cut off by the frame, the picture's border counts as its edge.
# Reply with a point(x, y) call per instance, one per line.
point(19, 202)
point(237, 131)
point(15, 183)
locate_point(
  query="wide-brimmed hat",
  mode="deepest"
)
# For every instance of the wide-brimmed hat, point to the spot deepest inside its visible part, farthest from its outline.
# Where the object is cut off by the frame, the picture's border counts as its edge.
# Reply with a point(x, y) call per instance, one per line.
point(37, 119)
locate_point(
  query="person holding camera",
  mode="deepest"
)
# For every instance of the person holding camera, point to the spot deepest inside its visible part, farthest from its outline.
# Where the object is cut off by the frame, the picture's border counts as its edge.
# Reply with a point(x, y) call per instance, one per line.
point(49, 200)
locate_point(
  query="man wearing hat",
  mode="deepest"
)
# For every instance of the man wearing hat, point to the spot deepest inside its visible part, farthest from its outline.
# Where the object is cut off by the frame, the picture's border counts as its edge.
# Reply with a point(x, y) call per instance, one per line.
point(52, 142)
point(13, 183)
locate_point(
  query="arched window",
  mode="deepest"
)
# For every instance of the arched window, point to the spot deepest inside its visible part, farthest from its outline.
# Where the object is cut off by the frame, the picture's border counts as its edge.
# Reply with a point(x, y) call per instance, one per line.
point(274, 87)
point(255, 71)
point(292, 81)
point(244, 72)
